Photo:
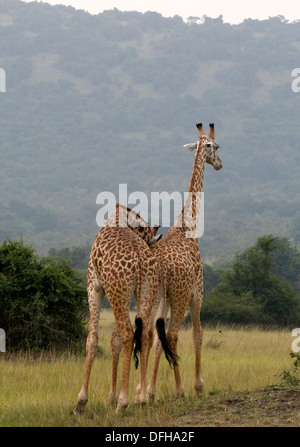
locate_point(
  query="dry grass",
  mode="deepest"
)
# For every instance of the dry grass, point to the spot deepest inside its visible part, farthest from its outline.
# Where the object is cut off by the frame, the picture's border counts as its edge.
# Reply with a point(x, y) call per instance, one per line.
point(43, 391)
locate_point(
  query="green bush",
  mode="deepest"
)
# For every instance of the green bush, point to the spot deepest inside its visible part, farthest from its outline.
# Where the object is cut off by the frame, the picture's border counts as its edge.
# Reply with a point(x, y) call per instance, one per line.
point(43, 301)
point(232, 309)
point(250, 291)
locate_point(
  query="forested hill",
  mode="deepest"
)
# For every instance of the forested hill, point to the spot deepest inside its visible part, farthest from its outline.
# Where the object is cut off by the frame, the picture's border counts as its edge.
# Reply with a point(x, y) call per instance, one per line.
point(95, 101)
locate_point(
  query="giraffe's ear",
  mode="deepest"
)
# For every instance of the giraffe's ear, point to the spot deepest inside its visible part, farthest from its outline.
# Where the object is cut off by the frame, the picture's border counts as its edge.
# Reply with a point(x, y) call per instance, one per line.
point(155, 239)
point(155, 229)
point(191, 146)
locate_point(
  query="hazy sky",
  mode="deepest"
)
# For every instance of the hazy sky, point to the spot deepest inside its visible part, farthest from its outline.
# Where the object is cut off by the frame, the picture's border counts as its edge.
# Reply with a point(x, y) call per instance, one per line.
point(233, 11)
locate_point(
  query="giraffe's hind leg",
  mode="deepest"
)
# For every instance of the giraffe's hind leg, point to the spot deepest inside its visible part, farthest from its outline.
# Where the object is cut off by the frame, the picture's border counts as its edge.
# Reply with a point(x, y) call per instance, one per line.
point(147, 304)
point(147, 339)
point(95, 295)
point(116, 347)
point(120, 307)
point(177, 314)
point(162, 312)
point(126, 332)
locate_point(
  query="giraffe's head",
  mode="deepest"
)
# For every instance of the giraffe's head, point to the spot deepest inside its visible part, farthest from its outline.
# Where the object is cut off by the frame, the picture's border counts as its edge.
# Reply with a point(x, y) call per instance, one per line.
point(131, 219)
point(207, 140)
point(147, 233)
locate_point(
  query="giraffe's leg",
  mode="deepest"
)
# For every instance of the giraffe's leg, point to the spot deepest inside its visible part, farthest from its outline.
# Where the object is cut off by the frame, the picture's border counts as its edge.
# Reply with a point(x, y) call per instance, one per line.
point(195, 307)
point(177, 315)
point(95, 295)
point(147, 339)
point(126, 333)
point(145, 397)
point(147, 304)
point(158, 351)
point(151, 390)
point(116, 347)
point(120, 306)
point(173, 338)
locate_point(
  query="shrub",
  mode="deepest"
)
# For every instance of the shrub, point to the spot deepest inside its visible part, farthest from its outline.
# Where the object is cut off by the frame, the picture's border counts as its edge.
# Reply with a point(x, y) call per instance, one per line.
point(230, 309)
point(43, 301)
point(251, 290)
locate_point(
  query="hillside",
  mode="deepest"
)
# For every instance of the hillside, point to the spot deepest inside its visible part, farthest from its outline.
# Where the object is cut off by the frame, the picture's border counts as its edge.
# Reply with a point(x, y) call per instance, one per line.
point(95, 101)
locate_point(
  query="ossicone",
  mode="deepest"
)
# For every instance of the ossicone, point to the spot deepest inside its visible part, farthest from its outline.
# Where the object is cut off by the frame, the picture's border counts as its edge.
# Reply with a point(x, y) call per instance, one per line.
point(211, 132)
point(201, 131)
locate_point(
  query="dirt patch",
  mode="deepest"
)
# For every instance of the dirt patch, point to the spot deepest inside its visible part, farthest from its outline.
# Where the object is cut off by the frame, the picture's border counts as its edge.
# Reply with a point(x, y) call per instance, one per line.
point(268, 407)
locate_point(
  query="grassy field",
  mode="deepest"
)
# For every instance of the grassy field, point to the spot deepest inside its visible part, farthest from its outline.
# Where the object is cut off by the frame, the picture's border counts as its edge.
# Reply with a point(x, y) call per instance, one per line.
point(241, 369)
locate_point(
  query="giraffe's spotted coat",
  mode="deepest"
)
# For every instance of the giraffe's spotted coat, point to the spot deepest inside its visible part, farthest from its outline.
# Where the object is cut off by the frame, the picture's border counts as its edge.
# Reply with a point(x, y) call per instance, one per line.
point(121, 263)
point(181, 268)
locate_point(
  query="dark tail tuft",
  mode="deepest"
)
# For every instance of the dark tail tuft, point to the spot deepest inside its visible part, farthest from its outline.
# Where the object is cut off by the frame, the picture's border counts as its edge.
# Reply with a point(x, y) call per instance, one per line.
point(161, 331)
point(137, 339)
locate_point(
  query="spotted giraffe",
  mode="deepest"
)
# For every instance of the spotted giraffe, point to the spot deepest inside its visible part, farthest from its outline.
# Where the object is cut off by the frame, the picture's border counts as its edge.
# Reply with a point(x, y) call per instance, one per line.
point(181, 269)
point(121, 263)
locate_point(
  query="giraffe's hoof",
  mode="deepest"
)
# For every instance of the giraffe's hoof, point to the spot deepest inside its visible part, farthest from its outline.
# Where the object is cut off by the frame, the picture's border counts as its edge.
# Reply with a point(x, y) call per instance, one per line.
point(141, 399)
point(112, 397)
point(122, 404)
point(199, 389)
point(120, 409)
point(138, 391)
point(180, 391)
point(80, 407)
point(151, 398)
point(151, 394)
point(199, 385)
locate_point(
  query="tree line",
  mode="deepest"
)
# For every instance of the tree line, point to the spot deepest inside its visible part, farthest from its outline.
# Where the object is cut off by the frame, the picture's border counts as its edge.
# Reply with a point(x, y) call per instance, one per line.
point(44, 301)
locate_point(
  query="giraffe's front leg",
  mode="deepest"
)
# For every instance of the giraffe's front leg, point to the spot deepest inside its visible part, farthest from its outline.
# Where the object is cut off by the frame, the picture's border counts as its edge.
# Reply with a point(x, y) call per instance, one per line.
point(195, 307)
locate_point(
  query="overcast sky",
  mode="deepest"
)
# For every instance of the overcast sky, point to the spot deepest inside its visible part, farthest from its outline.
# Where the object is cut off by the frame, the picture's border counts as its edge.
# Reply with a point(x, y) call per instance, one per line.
point(233, 11)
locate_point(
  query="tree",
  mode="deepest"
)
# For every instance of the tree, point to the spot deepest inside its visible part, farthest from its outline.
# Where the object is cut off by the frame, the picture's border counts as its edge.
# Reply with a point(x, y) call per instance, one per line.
point(227, 308)
point(250, 292)
point(43, 301)
point(286, 263)
point(211, 277)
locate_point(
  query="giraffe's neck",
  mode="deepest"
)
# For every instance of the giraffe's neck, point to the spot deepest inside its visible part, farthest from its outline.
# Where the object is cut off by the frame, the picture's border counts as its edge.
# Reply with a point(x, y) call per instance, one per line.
point(188, 218)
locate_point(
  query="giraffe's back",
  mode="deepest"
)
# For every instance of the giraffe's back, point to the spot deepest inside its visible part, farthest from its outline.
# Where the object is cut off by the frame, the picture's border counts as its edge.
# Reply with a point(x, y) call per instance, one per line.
point(119, 258)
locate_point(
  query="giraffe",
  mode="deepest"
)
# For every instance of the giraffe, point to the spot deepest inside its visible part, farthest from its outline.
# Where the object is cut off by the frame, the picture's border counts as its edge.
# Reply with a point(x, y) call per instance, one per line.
point(121, 263)
point(181, 270)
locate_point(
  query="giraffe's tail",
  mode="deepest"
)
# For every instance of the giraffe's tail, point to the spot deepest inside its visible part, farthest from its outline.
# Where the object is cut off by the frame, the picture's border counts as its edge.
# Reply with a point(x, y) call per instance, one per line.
point(137, 340)
point(161, 331)
point(171, 356)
